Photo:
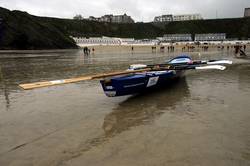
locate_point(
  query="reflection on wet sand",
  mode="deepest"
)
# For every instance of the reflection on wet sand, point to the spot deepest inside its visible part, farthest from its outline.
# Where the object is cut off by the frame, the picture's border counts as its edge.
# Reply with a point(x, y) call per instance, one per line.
point(139, 110)
point(4, 89)
point(144, 108)
point(244, 77)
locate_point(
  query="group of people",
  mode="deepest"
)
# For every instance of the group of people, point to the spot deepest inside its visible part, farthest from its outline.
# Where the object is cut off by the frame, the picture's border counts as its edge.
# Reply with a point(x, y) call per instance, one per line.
point(189, 48)
point(86, 50)
point(170, 48)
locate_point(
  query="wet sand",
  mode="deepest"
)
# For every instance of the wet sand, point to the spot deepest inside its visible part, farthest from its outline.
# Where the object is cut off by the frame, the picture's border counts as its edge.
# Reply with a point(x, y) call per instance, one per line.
point(201, 120)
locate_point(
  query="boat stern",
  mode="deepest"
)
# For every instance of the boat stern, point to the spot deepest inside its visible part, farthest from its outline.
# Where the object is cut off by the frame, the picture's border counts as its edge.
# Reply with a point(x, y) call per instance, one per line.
point(108, 88)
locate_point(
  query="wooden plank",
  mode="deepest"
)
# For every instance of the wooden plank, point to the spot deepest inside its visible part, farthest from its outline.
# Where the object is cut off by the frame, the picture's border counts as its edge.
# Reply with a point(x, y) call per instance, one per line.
point(77, 79)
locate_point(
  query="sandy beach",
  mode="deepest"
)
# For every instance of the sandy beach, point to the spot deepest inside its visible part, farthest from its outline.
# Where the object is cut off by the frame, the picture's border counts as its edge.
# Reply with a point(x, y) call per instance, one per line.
point(99, 49)
point(201, 120)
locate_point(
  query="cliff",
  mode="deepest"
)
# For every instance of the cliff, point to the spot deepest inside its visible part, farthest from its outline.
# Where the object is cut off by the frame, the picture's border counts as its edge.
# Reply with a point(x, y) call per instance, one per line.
point(20, 30)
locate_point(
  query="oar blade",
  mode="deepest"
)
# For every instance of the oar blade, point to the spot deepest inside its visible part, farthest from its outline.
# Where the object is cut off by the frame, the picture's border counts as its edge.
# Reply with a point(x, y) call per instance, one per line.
point(220, 62)
point(35, 85)
point(52, 83)
point(216, 67)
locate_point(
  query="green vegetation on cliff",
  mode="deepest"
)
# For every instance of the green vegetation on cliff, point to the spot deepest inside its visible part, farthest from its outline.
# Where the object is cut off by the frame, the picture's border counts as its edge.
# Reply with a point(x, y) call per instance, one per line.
point(20, 30)
point(85, 28)
point(233, 27)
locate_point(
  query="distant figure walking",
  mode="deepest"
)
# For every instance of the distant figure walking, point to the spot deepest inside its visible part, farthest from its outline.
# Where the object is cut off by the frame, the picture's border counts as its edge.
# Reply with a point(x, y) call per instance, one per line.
point(172, 48)
point(239, 52)
point(183, 48)
point(86, 51)
point(242, 53)
point(153, 49)
point(236, 49)
point(162, 49)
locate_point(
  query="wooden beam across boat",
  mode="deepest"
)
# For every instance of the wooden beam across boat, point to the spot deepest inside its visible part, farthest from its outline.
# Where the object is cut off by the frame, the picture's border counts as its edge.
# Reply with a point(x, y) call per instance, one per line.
point(103, 75)
point(77, 79)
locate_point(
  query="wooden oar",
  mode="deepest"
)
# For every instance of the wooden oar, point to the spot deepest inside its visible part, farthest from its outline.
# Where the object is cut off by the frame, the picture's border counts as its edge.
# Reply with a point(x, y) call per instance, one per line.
point(72, 80)
point(96, 76)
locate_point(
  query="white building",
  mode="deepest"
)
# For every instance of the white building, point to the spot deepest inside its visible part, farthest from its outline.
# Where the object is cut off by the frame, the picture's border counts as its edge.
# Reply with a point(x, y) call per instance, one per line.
point(183, 17)
point(164, 18)
point(176, 37)
point(122, 19)
point(113, 18)
point(81, 41)
point(210, 37)
point(127, 40)
point(92, 18)
point(186, 17)
point(150, 42)
point(247, 12)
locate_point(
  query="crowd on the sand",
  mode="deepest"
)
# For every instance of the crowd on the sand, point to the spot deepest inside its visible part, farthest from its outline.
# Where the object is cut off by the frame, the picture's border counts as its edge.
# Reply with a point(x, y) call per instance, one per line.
point(239, 50)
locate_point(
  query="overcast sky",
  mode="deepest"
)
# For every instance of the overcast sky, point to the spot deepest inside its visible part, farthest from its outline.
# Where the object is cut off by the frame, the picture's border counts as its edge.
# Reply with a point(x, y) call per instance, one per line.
point(140, 10)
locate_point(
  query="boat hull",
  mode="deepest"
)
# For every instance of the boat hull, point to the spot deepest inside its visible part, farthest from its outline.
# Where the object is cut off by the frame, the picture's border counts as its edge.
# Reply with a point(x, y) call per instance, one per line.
point(138, 83)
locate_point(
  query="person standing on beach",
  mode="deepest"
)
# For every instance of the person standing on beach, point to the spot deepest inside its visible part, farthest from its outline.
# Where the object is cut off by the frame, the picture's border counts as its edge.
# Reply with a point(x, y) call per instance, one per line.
point(236, 49)
point(85, 50)
point(88, 51)
point(244, 47)
point(153, 49)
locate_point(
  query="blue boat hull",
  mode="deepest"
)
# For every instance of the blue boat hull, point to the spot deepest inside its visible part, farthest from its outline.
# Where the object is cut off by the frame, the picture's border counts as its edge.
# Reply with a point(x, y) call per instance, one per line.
point(138, 83)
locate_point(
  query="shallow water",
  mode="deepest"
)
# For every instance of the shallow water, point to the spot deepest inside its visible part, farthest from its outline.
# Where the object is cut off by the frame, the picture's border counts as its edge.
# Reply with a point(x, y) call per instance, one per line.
point(201, 120)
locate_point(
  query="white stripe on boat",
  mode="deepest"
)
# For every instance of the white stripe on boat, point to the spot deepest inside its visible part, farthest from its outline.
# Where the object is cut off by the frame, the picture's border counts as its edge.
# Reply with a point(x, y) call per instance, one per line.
point(133, 85)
